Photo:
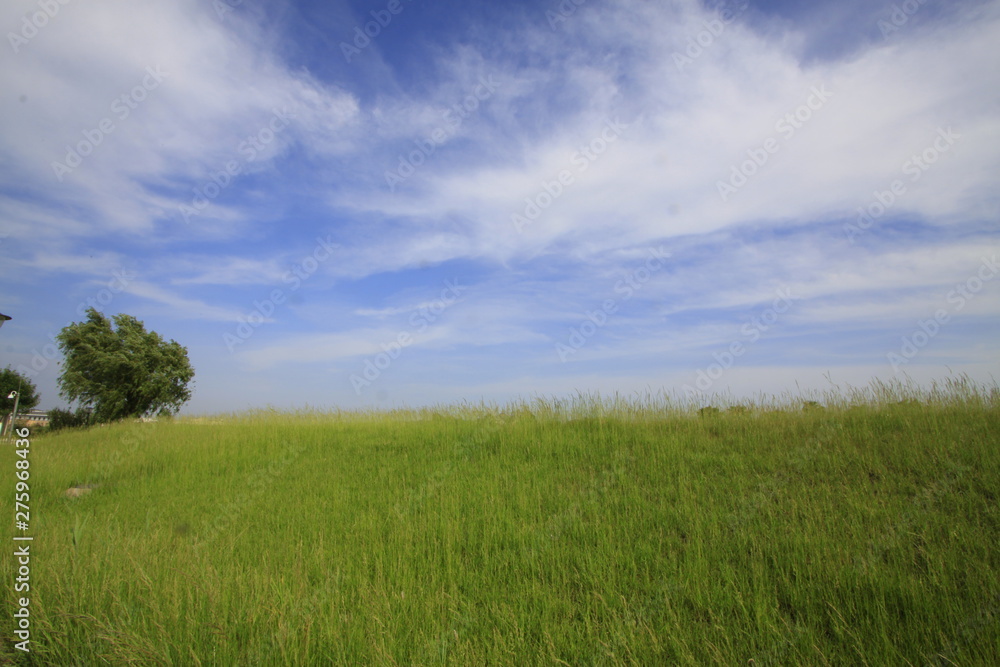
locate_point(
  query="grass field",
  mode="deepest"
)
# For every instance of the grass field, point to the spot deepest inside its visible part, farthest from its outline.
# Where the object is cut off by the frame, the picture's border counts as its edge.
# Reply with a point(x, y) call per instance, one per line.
point(864, 530)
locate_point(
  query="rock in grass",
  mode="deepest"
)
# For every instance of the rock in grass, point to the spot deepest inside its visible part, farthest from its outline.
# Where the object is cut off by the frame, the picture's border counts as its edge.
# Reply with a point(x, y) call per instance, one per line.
point(81, 490)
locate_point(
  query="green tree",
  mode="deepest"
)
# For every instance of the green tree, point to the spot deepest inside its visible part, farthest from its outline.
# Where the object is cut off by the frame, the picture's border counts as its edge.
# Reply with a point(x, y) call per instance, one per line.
point(122, 371)
point(11, 380)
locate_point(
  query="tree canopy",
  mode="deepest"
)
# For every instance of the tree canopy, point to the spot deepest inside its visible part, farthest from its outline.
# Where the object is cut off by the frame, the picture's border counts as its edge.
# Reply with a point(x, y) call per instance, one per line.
point(122, 371)
point(11, 380)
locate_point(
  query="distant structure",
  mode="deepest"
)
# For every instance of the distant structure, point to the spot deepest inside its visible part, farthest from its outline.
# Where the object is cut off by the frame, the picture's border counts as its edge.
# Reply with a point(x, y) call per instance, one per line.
point(4, 318)
point(31, 419)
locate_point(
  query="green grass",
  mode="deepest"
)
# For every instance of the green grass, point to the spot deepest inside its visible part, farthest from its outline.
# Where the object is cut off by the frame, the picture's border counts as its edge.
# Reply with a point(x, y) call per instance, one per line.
point(589, 532)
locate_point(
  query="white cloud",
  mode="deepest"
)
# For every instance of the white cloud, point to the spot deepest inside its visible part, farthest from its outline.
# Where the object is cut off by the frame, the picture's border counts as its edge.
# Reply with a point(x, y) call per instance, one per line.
point(660, 178)
point(158, 96)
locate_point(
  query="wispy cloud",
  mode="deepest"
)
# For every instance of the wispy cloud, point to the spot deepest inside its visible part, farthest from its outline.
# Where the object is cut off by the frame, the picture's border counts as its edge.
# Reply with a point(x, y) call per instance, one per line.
point(157, 114)
point(182, 307)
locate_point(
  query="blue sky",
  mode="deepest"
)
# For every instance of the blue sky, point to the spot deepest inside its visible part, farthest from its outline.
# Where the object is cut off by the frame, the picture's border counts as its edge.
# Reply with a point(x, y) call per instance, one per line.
point(495, 200)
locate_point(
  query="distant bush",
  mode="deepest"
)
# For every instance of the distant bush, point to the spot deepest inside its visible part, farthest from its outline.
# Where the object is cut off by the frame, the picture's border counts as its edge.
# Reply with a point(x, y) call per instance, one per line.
point(60, 419)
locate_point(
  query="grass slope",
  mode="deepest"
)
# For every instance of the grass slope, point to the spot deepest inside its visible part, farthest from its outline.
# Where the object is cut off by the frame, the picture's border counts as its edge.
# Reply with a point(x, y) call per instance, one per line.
point(603, 534)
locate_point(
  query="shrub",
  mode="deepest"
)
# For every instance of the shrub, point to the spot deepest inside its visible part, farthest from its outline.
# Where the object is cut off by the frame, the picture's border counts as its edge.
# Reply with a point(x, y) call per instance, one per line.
point(60, 419)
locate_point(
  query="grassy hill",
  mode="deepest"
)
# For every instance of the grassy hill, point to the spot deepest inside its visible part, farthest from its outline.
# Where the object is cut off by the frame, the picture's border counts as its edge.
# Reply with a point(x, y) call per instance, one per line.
point(862, 531)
